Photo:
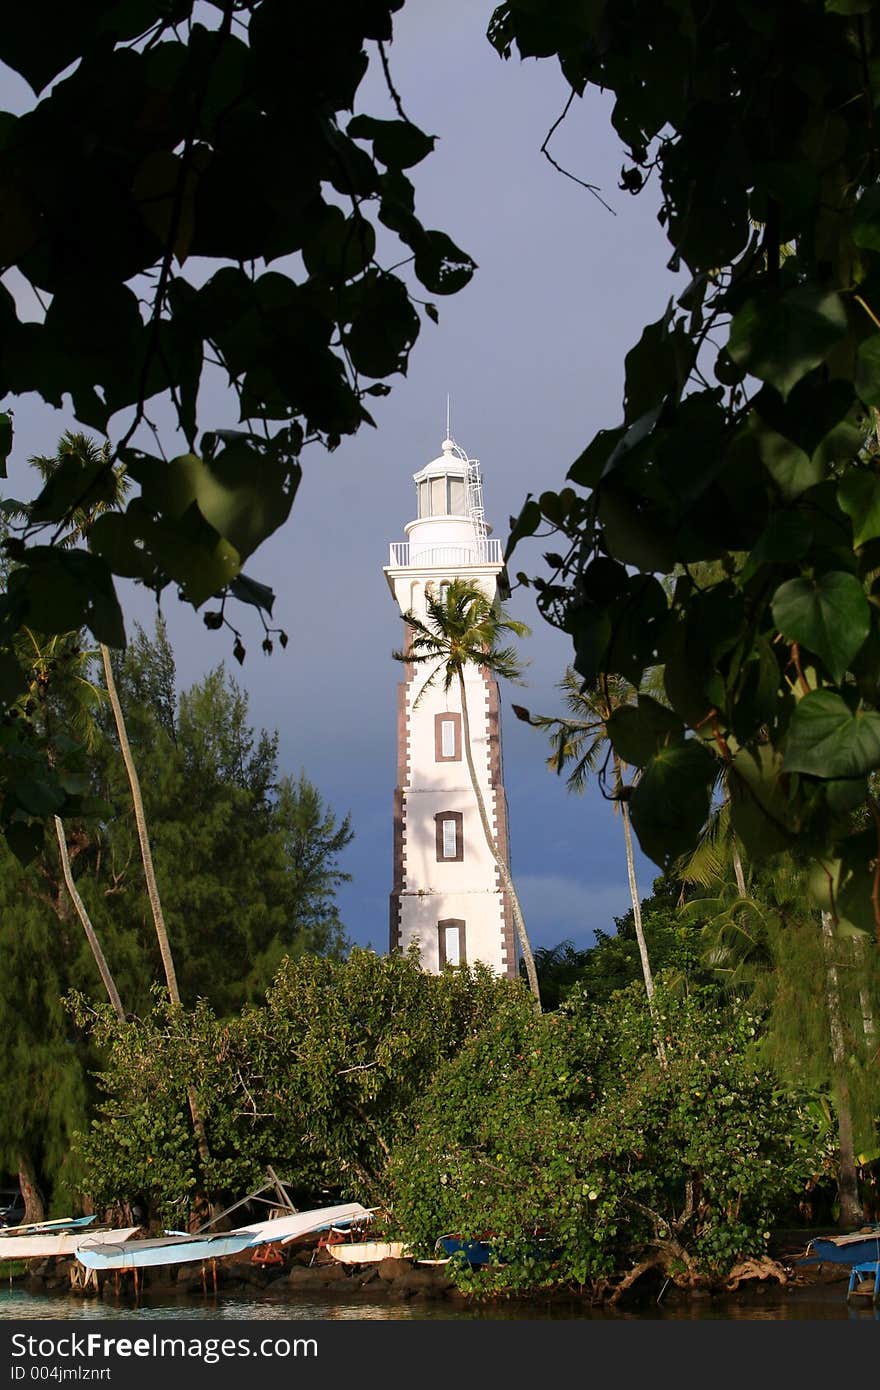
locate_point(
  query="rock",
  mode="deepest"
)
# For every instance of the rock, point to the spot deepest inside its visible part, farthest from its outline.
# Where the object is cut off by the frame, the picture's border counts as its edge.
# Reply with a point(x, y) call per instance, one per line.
point(391, 1269)
point(420, 1281)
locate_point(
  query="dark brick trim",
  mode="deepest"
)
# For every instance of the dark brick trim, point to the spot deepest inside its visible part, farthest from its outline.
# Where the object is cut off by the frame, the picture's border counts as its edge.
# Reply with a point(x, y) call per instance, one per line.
point(439, 818)
point(441, 937)
point(496, 780)
point(455, 720)
point(398, 869)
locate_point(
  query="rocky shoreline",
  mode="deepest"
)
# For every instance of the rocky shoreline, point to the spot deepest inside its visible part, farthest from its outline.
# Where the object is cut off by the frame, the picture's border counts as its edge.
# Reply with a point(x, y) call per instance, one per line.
point(312, 1272)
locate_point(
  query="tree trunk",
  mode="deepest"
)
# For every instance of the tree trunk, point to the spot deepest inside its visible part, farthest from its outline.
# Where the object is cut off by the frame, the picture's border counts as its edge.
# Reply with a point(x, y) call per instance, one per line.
point(150, 877)
point(851, 1212)
point(34, 1209)
point(143, 837)
point(738, 867)
point(528, 958)
point(637, 920)
point(860, 952)
point(82, 914)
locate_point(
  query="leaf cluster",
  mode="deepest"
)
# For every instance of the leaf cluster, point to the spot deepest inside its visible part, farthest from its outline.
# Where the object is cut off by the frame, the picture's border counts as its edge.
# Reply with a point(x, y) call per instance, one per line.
point(745, 466)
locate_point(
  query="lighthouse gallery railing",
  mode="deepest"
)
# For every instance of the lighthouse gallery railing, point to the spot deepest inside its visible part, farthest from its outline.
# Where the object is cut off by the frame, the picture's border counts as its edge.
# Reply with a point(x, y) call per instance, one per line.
point(405, 555)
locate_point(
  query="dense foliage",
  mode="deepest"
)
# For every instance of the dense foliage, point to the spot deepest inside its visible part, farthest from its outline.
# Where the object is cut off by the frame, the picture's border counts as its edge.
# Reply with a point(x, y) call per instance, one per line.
point(566, 1141)
point(319, 1081)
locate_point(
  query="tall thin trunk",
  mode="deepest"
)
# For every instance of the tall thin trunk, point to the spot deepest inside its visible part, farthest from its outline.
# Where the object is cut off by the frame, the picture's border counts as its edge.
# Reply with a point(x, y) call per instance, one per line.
point(637, 921)
point(528, 958)
point(143, 837)
point(150, 877)
point(738, 868)
point(82, 914)
point(860, 952)
point(851, 1212)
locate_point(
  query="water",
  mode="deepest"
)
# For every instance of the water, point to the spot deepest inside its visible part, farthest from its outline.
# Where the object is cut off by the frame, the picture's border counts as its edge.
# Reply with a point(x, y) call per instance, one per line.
point(825, 1303)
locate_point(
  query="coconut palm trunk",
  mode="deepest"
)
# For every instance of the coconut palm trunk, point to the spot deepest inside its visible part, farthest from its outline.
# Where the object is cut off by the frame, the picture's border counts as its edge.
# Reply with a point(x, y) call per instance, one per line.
point(637, 921)
point(150, 878)
point(82, 914)
point(851, 1213)
point(494, 850)
point(738, 868)
point(143, 836)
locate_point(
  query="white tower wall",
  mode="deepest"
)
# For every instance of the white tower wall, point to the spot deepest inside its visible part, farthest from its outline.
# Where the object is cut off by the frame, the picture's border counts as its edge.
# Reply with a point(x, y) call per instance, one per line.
point(447, 895)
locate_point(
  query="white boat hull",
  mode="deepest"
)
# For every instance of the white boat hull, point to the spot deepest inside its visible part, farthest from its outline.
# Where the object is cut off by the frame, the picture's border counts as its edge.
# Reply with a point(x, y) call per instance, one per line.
point(40, 1247)
point(183, 1249)
point(302, 1223)
point(364, 1252)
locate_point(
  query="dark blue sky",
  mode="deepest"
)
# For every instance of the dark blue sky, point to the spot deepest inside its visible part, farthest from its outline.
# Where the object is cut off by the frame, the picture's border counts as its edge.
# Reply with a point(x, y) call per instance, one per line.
point(532, 354)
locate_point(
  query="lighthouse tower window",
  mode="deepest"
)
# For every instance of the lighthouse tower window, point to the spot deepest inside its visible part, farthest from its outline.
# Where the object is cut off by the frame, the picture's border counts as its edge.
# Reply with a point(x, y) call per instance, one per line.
point(449, 841)
point(447, 737)
point(452, 948)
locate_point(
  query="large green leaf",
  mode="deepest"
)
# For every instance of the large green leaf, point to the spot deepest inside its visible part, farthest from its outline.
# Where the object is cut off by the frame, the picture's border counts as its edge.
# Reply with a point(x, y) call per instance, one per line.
point(383, 328)
point(781, 338)
point(786, 537)
point(633, 534)
point(866, 222)
point(858, 494)
point(868, 370)
point(670, 803)
point(657, 366)
point(759, 809)
point(590, 627)
point(637, 732)
point(440, 265)
point(244, 493)
point(398, 144)
point(825, 739)
point(191, 552)
point(340, 247)
point(830, 615)
point(789, 466)
point(589, 466)
point(68, 589)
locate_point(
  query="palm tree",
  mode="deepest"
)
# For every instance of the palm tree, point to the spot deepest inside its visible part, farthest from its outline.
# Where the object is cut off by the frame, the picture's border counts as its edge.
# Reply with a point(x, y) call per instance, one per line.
point(104, 489)
point(581, 741)
point(717, 849)
point(464, 628)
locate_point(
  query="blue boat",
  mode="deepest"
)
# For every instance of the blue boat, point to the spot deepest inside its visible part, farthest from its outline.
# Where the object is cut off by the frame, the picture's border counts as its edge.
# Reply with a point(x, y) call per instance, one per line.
point(857, 1248)
point(476, 1253)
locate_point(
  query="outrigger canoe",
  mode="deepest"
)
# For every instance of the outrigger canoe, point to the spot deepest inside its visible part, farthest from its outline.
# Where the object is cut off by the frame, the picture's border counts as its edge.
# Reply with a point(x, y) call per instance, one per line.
point(187, 1249)
point(164, 1250)
point(46, 1243)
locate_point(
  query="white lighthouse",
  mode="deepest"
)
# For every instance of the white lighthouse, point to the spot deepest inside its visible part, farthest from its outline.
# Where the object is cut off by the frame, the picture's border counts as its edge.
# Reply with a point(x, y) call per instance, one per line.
point(446, 894)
